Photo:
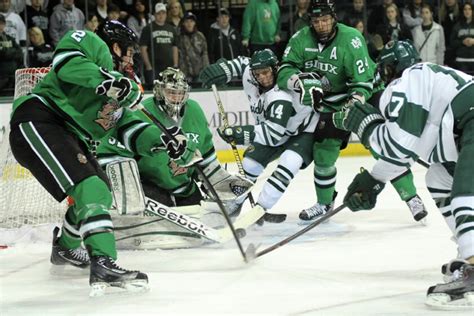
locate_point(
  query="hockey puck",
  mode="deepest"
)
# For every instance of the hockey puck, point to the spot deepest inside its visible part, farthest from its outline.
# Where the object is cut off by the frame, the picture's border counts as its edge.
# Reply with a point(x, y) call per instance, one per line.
point(240, 232)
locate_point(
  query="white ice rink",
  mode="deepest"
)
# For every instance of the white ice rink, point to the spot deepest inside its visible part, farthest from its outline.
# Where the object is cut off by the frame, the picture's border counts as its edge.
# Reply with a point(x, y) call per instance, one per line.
point(377, 262)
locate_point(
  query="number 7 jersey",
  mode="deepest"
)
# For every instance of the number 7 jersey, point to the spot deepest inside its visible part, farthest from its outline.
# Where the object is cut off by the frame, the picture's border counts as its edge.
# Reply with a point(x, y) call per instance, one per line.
point(421, 108)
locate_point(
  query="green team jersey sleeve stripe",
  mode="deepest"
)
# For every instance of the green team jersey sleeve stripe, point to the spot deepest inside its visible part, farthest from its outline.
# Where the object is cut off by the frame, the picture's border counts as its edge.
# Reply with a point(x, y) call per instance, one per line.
point(61, 57)
point(129, 136)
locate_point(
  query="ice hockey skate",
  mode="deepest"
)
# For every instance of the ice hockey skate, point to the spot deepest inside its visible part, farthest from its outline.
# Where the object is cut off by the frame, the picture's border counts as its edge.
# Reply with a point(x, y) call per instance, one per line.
point(61, 256)
point(457, 294)
point(106, 273)
point(317, 210)
point(271, 218)
point(417, 209)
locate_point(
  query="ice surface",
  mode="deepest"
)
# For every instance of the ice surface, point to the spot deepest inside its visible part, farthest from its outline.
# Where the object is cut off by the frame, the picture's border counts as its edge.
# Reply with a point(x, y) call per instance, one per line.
point(378, 262)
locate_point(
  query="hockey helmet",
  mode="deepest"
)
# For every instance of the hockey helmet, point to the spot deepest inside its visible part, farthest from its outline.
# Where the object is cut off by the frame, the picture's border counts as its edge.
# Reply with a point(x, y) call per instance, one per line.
point(172, 90)
point(317, 10)
point(115, 32)
point(395, 57)
point(263, 59)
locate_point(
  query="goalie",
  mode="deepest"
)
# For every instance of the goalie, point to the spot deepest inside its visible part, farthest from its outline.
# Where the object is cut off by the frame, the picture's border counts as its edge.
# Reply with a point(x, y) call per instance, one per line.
point(161, 178)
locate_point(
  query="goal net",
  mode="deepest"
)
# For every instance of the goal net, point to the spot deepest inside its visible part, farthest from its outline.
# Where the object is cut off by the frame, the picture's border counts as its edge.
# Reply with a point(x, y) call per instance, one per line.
point(23, 201)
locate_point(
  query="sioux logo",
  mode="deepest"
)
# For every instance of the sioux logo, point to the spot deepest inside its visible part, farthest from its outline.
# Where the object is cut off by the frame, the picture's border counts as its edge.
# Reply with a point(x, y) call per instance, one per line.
point(108, 115)
point(324, 67)
point(154, 208)
point(193, 137)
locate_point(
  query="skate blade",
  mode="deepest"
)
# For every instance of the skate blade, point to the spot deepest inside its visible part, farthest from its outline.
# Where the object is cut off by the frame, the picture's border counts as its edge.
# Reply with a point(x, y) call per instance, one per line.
point(423, 221)
point(101, 288)
point(444, 302)
point(306, 223)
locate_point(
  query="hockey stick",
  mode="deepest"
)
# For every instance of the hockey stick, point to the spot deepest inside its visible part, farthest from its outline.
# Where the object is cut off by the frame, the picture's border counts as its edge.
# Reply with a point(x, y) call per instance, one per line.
point(204, 178)
point(220, 235)
point(423, 163)
point(238, 160)
point(251, 250)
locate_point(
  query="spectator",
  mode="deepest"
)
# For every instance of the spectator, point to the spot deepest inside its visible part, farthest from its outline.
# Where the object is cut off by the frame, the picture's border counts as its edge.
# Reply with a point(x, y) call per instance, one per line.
point(428, 38)
point(448, 16)
point(139, 16)
point(158, 45)
point(394, 28)
point(10, 56)
point(377, 16)
point(40, 54)
point(354, 13)
point(36, 16)
point(93, 23)
point(192, 45)
point(412, 14)
point(261, 25)
point(65, 18)
point(224, 41)
point(101, 10)
point(175, 14)
point(374, 43)
point(462, 40)
point(14, 24)
point(301, 18)
point(18, 6)
point(113, 12)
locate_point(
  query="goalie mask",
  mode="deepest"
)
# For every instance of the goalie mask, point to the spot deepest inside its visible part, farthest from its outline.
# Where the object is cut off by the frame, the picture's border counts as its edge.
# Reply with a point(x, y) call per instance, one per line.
point(394, 58)
point(263, 67)
point(172, 90)
point(323, 19)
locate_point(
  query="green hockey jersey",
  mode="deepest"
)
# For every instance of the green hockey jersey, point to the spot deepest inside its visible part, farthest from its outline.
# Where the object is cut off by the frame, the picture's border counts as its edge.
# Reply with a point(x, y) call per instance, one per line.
point(193, 122)
point(344, 61)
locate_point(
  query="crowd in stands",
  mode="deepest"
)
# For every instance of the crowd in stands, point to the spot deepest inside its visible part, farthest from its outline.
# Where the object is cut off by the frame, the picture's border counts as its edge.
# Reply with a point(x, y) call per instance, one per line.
point(171, 35)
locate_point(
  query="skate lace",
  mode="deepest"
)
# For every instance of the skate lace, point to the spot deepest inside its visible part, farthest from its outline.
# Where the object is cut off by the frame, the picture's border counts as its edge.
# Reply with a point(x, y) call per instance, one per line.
point(317, 210)
point(79, 254)
point(111, 264)
point(415, 205)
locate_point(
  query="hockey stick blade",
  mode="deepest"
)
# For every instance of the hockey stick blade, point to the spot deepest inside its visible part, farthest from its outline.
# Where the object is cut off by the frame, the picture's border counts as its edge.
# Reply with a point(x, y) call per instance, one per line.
point(251, 253)
point(300, 232)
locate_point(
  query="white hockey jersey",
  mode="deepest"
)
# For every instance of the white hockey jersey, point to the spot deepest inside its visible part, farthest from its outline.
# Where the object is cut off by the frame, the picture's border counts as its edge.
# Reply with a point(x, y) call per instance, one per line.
point(278, 114)
point(420, 120)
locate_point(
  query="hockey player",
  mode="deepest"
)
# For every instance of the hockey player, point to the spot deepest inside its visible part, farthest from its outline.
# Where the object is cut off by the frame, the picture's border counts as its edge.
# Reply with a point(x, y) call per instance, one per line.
point(284, 128)
point(54, 129)
point(339, 54)
point(426, 111)
point(162, 178)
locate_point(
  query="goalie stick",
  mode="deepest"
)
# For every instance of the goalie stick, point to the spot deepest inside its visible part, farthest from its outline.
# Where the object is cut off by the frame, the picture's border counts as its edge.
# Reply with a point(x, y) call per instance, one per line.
point(204, 178)
point(252, 253)
point(233, 145)
point(195, 226)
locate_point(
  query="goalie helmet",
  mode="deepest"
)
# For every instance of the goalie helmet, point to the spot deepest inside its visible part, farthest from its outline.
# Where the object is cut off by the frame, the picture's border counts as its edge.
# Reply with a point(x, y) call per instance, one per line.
point(263, 59)
point(115, 32)
point(317, 10)
point(395, 57)
point(172, 89)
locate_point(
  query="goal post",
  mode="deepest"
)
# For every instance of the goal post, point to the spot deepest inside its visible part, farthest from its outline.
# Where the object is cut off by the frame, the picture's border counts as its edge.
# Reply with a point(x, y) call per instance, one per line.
point(23, 201)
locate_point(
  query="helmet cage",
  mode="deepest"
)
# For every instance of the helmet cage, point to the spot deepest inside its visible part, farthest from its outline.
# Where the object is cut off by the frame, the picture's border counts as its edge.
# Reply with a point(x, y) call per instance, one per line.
point(320, 8)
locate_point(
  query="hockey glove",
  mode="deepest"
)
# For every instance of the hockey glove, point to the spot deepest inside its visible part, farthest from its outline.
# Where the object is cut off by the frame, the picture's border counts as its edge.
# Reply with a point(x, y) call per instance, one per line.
point(218, 73)
point(309, 87)
point(362, 192)
point(125, 91)
point(353, 98)
point(360, 119)
point(242, 135)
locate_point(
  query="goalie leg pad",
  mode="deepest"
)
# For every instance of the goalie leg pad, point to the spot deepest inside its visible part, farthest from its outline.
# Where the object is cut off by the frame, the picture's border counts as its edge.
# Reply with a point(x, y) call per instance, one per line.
point(126, 188)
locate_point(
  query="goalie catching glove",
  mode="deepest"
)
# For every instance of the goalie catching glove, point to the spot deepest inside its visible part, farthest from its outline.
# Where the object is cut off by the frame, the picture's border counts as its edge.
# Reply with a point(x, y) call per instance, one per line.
point(361, 119)
point(117, 87)
point(241, 135)
point(309, 87)
point(363, 191)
